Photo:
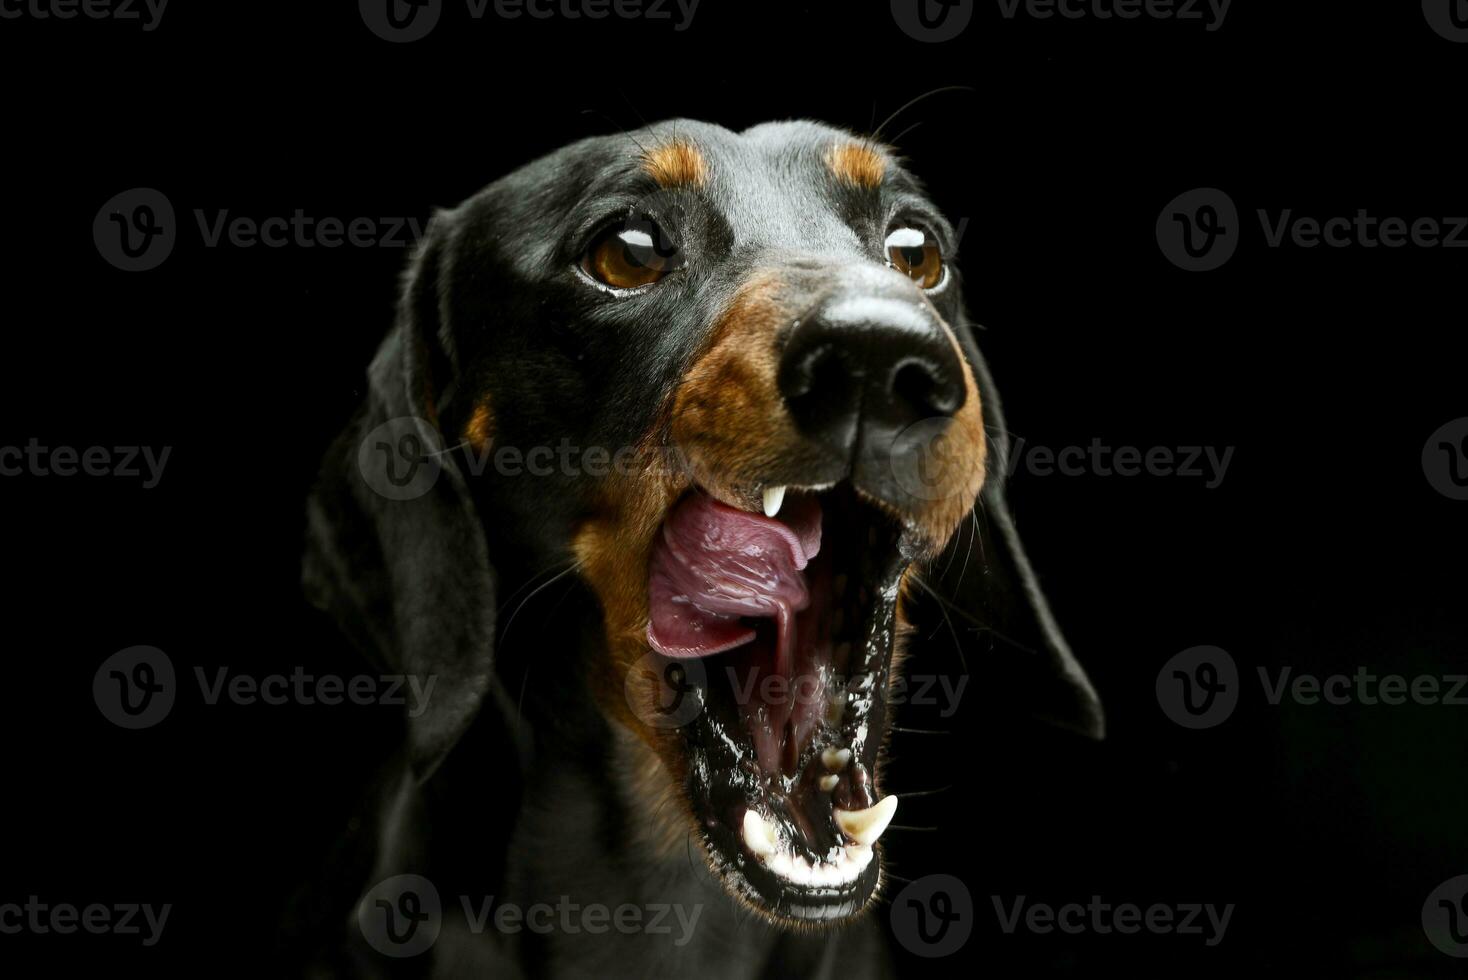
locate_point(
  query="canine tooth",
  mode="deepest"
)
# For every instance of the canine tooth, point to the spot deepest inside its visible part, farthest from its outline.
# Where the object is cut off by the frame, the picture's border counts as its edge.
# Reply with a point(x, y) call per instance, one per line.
point(835, 709)
point(859, 855)
point(835, 759)
point(828, 782)
point(781, 865)
point(865, 826)
point(759, 834)
point(774, 497)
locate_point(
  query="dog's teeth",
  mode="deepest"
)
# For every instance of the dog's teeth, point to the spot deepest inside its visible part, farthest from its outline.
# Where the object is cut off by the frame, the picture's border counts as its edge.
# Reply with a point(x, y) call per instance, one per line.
point(835, 759)
point(774, 497)
point(835, 708)
point(759, 834)
point(865, 826)
point(828, 782)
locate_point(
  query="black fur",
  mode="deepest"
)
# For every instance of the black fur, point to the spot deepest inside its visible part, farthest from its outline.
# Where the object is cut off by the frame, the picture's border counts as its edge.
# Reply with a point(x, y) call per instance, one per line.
point(505, 787)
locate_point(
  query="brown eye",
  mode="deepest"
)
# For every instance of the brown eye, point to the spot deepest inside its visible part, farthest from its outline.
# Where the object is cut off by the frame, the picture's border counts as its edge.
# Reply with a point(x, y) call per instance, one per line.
point(634, 253)
point(914, 253)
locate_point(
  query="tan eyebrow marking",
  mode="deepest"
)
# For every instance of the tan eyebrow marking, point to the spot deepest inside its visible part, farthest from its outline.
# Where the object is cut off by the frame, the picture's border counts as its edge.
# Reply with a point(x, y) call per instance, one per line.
point(676, 163)
point(857, 163)
point(480, 429)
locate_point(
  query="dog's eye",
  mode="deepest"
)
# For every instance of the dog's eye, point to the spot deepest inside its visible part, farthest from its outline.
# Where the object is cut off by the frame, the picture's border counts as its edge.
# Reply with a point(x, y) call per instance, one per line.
point(914, 253)
point(634, 253)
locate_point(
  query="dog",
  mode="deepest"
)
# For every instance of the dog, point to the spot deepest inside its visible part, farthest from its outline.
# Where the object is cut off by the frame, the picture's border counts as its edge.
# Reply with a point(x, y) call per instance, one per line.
point(716, 395)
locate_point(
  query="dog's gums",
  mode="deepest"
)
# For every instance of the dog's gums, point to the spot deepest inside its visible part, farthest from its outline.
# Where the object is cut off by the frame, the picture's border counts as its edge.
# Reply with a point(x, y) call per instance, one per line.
point(792, 615)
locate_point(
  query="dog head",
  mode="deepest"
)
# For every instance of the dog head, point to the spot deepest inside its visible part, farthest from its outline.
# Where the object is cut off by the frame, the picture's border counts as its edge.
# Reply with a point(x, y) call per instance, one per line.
point(726, 380)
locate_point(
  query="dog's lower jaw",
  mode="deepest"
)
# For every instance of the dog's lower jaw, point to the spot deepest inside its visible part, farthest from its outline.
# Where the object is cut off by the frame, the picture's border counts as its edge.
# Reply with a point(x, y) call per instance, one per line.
point(610, 831)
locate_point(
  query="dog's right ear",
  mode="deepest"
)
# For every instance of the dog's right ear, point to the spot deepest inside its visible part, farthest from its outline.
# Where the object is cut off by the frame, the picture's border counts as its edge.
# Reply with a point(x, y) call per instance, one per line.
point(395, 552)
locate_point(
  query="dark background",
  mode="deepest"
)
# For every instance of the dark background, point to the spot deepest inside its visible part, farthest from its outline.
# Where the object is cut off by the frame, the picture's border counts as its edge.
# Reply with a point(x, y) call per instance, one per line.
point(1325, 548)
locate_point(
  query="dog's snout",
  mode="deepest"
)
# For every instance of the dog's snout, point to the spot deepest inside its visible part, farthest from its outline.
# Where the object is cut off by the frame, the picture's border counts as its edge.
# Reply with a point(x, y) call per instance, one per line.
point(859, 370)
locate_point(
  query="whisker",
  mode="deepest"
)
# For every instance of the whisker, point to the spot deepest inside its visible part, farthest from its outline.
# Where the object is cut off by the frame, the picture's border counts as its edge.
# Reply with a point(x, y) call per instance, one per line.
point(598, 112)
point(924, 792)
point(943, 606)
point(967, 552)
point(898, 138)
point(919, 731)
point(912, 102)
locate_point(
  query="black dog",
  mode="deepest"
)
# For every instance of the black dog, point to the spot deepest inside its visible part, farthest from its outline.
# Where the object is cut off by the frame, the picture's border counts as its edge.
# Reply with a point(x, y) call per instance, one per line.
point(719, 391)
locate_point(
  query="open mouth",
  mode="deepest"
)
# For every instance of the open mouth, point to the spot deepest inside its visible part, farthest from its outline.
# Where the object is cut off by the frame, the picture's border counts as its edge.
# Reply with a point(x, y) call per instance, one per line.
point(791, 615)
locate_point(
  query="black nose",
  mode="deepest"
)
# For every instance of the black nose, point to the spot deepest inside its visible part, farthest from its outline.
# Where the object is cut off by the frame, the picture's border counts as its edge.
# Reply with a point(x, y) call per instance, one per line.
point(861, 369)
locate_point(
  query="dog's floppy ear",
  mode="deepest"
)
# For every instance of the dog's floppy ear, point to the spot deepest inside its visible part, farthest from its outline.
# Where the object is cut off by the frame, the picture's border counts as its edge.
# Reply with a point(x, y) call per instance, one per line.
point(395, 552)
point(983, 596)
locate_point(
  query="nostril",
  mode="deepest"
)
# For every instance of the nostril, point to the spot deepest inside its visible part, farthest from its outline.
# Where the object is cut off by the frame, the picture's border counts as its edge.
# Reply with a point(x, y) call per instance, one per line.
point(922, 387)
point(820, 384)
point(812, 370)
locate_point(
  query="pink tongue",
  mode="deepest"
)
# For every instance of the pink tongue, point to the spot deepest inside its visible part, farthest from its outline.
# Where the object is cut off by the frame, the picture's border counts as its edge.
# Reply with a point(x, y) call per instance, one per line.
point(712, 564)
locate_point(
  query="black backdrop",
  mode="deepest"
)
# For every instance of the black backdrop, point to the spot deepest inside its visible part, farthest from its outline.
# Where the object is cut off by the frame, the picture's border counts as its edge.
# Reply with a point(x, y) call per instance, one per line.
point(1324, 548)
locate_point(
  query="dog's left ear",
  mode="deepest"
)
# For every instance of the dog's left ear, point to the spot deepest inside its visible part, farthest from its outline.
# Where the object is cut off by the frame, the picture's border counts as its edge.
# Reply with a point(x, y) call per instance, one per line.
point(395, 552)
point(982, 596)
